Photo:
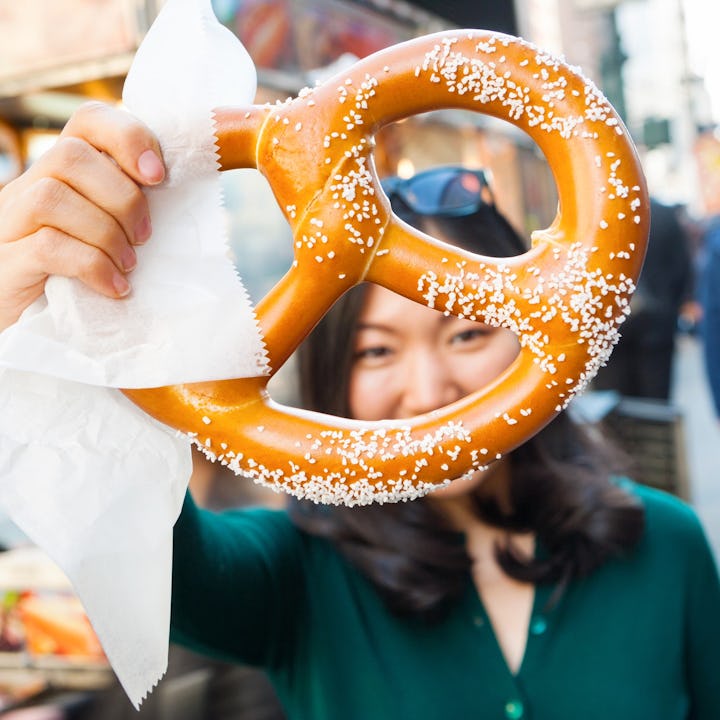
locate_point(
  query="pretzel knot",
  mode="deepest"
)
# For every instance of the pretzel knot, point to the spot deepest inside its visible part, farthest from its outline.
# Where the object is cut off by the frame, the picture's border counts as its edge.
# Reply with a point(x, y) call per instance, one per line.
point(565, 298)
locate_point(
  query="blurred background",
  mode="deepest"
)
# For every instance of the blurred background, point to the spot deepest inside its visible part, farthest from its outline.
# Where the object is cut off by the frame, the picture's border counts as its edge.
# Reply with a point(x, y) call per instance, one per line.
point(656, 60)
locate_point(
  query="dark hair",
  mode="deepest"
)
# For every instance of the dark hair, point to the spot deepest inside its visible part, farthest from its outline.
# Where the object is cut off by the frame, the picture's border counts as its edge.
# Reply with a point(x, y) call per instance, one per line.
point(560, 485)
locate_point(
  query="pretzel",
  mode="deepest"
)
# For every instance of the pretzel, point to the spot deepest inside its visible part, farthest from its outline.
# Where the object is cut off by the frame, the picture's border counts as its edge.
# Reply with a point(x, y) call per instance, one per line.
point(565, 298)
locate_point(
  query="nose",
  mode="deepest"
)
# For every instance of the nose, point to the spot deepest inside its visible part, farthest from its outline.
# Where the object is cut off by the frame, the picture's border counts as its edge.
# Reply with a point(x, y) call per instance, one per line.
point(428, 384)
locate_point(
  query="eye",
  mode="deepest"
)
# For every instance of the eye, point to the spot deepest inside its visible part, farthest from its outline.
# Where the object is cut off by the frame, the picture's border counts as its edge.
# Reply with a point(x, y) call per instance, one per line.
point(470, 335)
point(372, 354)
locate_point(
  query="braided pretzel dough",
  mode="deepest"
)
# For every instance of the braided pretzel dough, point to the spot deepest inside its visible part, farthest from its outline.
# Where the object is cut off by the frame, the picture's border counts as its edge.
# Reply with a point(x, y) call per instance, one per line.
point(564, 298)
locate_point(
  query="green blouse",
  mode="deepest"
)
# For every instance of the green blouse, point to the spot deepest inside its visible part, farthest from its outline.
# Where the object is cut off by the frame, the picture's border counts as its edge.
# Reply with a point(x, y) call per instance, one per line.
point(638, 640)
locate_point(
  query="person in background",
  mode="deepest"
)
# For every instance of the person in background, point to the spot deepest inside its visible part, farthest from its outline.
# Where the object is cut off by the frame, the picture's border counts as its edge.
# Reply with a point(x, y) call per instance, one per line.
point(642, 363)
point(543, 586)
point(709, 295)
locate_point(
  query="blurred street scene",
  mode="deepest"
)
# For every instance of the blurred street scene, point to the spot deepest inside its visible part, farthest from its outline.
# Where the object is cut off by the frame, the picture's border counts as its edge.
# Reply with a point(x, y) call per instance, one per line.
point(656, 61)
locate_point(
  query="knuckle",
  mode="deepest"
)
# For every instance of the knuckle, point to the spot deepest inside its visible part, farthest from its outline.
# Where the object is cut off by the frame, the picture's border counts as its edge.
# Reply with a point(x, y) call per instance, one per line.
point(108, 236)
point(45, 194)
point(88, 111)
point(47, 240)
point(91, 263)
point(129, 199)
point(82, 261)
point(137, 134)
point(44, 245)
point(70, 150)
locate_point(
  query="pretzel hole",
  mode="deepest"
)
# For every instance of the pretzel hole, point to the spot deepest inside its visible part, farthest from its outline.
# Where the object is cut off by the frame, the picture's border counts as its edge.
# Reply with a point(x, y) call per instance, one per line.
point(522, 184)
point(260, 238)
point(373, 336)
point(520, 202)
point(473, 352)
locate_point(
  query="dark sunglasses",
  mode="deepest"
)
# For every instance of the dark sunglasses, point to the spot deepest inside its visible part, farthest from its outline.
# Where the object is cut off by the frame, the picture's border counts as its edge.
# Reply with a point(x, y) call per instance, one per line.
point(443, 191)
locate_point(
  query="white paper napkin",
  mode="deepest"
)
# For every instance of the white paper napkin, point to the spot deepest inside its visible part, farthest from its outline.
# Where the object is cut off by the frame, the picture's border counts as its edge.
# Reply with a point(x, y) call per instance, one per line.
point(88, 476)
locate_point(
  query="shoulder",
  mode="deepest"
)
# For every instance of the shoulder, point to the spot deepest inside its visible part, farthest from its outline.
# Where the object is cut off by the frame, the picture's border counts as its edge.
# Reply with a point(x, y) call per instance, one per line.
point(235, 532)
point(671, 525)
point(671, 561)
point(661, 508)
point(273, 534)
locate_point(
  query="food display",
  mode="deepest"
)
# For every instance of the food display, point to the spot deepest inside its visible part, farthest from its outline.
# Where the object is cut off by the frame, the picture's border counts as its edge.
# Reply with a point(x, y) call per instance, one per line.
point(44, 624)
point(565, 298)
point(46, 639)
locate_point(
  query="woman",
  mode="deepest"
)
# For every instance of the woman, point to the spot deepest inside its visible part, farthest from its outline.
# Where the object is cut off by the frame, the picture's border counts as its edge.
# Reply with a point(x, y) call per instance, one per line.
point(539, 588)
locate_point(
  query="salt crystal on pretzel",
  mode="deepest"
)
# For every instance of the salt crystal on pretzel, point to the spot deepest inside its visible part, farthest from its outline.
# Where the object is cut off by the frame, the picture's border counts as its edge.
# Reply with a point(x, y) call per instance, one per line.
point(565, 298)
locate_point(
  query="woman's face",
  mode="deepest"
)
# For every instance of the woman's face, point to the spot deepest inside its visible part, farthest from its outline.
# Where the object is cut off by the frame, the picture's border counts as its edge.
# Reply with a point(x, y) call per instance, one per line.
point(409, 359)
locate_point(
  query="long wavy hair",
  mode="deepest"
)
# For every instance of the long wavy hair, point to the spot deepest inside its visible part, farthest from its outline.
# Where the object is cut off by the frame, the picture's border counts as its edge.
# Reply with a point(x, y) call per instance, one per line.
point(560, 480)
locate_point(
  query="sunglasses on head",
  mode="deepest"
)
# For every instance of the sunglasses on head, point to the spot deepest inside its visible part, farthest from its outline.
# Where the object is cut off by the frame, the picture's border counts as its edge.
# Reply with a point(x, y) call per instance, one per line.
point(442, 191)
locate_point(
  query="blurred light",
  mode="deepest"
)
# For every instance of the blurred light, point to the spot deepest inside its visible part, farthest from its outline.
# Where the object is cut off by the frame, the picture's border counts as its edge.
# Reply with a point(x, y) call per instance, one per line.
point(405, 168)
point(471, 183)
point(54, 106)
point(39, 143)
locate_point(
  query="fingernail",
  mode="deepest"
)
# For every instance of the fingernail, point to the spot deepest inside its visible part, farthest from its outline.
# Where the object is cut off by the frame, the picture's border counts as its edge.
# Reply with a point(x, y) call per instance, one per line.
point(151, 167)
point(129, 259)
point(122, 286)
point(143, 231)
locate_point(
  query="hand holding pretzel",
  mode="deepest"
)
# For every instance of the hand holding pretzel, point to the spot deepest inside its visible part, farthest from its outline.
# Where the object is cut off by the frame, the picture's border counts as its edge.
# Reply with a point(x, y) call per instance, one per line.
point(564, 298)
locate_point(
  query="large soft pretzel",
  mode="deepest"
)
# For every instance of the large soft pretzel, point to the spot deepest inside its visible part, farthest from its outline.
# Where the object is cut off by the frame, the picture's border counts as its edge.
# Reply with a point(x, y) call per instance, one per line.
point(564, 298)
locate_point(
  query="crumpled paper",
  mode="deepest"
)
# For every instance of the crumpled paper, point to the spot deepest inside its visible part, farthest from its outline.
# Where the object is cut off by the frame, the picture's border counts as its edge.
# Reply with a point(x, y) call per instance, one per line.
point(88, 476)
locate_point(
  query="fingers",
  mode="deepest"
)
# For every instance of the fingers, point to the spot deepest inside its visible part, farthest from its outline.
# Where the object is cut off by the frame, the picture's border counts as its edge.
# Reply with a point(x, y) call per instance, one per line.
point(57, 253)
point(72, 170)
point(121, 136)
point(103, 153)
point(25, 267)
point(79, 209)
point(61, 254)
